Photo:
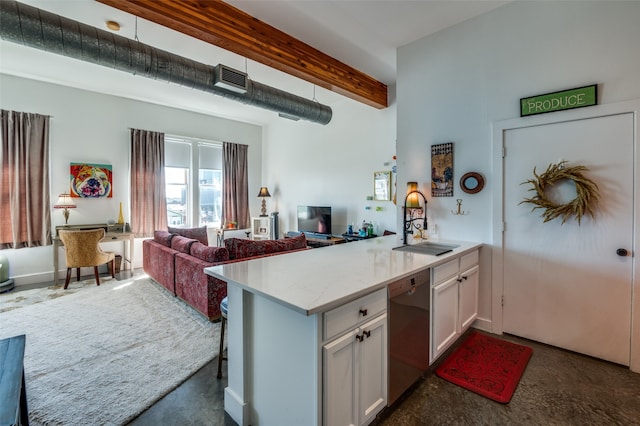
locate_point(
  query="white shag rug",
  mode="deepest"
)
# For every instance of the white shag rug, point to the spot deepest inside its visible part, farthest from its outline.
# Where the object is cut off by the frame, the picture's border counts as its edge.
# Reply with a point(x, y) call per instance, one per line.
point(102, 355)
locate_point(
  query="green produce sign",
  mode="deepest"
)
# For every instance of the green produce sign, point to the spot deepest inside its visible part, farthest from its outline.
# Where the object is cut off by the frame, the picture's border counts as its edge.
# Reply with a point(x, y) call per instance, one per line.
point(558, 101)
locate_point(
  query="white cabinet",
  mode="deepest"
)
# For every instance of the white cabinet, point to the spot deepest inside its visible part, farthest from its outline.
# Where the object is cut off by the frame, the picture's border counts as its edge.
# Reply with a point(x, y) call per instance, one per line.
point(454, 301)
point(444, 328)
point(261, 228)
point(355, 362)
point(468, 291)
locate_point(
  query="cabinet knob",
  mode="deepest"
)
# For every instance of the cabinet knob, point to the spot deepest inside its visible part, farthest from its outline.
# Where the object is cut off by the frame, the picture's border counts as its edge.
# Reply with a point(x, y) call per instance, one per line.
point(622, 252)
point(363, 312)
point(360, 337)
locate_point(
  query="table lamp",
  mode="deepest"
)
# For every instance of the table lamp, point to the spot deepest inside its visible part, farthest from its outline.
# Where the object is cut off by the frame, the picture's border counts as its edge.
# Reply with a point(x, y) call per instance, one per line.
point(412, 202)
point(65, 202)
point(264, 192)
point(412, 205)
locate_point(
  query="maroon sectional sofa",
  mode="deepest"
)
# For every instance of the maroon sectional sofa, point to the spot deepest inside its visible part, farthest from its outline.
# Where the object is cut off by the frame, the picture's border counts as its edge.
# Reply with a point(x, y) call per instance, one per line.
point(177, 263)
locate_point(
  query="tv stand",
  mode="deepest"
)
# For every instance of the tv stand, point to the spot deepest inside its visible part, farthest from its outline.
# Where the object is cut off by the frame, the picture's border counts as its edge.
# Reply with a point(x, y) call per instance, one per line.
point(317, 236)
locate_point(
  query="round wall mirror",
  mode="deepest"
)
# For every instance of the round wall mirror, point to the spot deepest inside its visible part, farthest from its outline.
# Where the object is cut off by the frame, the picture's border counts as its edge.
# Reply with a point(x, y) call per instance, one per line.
point(472, 182)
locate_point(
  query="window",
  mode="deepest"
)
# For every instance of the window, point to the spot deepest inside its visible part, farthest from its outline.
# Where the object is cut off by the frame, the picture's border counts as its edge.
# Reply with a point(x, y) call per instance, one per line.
point(176, 179)
point(189, 161)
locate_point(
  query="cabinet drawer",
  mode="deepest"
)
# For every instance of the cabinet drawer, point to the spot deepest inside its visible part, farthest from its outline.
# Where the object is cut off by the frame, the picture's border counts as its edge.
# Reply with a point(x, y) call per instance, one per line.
point(469, 260)
point(349, 315)
point(445, 271)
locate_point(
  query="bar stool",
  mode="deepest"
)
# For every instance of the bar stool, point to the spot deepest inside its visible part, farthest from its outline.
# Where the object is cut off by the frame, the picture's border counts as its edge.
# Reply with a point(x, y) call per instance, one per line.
point(223, 310)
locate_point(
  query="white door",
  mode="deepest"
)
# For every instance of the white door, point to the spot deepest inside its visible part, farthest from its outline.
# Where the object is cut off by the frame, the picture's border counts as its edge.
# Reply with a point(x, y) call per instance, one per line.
point(564, 284)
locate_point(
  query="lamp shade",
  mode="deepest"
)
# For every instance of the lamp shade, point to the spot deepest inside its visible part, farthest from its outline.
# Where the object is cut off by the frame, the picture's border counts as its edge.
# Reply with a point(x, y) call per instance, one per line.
point(264, 192)
point(64, 202)
point(413, 202)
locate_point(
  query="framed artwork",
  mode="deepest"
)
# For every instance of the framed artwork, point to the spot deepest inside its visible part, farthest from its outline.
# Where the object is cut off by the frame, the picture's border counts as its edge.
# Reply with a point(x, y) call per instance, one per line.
point(382, 186)
point(91, 180)
point(442, 170)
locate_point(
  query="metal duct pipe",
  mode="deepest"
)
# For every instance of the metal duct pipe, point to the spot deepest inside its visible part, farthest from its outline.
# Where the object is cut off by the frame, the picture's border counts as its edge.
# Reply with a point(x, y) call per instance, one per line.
point(33, 27)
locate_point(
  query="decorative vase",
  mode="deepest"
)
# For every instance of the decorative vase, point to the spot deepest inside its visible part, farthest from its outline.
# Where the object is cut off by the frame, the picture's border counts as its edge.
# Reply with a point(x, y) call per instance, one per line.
point(120, 216)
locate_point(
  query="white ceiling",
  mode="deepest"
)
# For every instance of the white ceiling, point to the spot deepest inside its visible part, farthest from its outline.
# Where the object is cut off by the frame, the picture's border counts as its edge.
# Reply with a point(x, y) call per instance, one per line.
point(361, 33)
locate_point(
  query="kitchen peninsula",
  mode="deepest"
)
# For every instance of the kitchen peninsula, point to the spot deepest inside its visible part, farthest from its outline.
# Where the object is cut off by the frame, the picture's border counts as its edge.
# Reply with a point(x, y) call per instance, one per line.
point(292, 322)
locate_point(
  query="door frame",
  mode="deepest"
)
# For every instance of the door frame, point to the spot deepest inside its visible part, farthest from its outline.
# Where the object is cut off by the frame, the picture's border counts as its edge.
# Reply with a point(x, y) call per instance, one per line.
point(499, 129)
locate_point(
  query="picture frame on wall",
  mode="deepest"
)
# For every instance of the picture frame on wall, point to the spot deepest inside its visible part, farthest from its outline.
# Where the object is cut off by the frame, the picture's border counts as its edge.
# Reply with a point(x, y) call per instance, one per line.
point(442, 170)
point(91, 180)
point(382, 186)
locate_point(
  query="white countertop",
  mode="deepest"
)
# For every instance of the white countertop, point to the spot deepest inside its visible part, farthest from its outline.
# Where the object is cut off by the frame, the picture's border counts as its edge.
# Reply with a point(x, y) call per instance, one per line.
point(316, 280)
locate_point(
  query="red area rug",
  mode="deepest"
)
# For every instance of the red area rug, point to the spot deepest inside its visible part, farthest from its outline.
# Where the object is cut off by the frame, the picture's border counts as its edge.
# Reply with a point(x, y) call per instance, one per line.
point(487, 366)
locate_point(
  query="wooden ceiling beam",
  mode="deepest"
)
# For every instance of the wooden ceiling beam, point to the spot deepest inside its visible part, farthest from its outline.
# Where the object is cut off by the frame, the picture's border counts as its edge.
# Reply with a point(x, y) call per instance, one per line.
point(221, 24)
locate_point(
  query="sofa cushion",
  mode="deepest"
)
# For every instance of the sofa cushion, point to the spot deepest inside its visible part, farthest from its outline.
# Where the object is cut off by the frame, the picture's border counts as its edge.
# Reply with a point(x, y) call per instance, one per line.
point(199, 234)
point(163, 237)
point(294, 243)
point(209, 254)
point(241, 249)
point(182, 244)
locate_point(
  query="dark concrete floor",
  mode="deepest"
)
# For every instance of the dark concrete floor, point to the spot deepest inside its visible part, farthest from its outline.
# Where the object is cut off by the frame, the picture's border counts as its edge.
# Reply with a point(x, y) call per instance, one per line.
point(558, 387)
point(198, 401)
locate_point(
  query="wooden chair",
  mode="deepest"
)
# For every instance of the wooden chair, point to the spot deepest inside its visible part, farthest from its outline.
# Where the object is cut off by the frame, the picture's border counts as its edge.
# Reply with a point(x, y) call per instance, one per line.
point(82, 249)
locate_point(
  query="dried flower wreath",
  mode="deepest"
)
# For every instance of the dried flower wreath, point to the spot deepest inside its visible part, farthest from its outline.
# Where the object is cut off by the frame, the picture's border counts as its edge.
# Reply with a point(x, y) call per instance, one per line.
point(587, 194)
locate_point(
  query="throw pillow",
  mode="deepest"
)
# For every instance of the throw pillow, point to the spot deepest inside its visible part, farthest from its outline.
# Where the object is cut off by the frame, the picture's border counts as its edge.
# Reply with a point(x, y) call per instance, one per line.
point(162, 237)
point(241, 249)
point(199, 234)
point(182, 244)
point(209, 254)
point(238, 248)
point(298, 242)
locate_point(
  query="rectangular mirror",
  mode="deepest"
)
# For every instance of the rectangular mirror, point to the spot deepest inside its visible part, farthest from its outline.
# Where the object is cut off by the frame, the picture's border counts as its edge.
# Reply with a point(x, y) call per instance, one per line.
point(382, 186)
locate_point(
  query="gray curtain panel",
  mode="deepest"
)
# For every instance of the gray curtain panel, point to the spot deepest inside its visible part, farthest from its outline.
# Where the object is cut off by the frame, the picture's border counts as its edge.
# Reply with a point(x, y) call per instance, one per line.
point(148, 193)
point(24, 182)
point(235, 184)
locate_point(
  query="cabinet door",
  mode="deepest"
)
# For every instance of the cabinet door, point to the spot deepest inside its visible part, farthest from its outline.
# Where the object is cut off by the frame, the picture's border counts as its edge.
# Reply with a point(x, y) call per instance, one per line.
point(468, 297)
point(445, 316)
point(339, 390)
point(372, 369)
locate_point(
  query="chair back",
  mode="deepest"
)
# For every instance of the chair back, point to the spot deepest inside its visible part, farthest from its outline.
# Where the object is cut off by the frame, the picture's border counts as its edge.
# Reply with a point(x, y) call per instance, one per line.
point(82, 248)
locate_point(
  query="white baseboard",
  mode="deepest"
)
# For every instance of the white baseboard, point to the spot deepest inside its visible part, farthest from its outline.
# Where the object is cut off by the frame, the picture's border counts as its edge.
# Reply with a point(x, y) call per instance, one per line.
point(483, 324)
point(236, 407)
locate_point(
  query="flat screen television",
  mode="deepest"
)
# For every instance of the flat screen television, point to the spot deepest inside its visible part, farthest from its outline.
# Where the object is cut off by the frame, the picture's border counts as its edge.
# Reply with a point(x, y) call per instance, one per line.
point(314, 219)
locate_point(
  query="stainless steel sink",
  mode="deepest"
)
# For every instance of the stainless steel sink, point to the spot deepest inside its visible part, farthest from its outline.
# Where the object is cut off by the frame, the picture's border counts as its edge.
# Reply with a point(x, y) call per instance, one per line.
point(428, 247)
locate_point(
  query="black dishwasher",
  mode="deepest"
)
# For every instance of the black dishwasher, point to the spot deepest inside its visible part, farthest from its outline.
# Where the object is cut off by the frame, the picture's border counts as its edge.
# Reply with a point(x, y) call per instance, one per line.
point(408, 332)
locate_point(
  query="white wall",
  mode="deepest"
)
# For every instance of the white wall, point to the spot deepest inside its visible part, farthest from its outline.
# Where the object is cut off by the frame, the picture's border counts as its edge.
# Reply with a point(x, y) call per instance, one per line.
point(332, 165)
point(454, 84)
point(94, 128)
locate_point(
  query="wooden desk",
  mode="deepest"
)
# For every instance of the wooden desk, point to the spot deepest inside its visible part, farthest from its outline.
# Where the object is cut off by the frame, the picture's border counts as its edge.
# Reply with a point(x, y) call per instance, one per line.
point(108, 237)
point(13, 393)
